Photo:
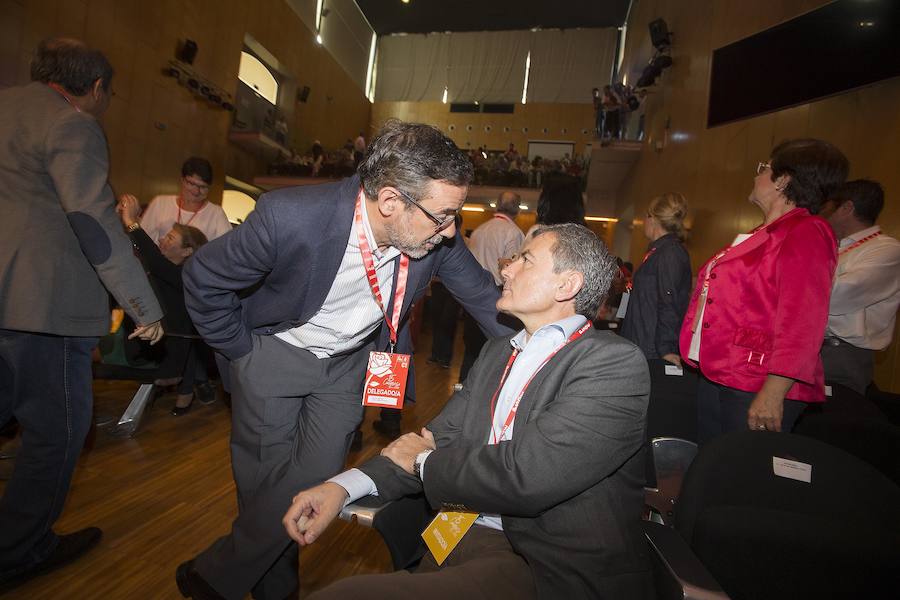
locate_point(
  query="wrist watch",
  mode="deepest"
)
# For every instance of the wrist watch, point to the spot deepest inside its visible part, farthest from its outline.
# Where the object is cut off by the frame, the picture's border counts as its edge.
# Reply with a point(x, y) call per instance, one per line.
point(417, 463)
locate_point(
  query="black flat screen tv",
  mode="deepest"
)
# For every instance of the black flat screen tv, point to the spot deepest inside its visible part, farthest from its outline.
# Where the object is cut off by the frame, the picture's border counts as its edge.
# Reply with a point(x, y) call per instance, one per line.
point(838, 47)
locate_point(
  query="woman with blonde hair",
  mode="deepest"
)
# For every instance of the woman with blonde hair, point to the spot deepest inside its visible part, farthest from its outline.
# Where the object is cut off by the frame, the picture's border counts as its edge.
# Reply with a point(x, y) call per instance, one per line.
point(662, 283)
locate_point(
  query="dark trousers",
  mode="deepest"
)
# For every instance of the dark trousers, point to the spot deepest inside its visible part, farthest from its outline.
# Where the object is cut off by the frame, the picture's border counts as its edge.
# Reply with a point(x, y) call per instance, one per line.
point(847, 365)
point(473, 340)
point(484, 565)
point(721, 409)
point(444, 317)
point(293, 417)
point(45, 383)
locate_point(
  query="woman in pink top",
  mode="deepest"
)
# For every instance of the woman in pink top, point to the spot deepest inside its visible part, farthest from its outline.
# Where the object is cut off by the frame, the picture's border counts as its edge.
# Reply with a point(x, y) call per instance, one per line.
point(756, 320)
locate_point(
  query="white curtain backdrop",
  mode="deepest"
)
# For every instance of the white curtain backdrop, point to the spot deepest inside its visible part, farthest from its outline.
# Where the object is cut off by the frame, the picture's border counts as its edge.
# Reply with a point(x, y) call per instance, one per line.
point(489, 66)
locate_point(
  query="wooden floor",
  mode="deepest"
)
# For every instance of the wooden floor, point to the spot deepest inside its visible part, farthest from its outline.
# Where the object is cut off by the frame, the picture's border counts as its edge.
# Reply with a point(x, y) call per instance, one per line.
point(165, 495)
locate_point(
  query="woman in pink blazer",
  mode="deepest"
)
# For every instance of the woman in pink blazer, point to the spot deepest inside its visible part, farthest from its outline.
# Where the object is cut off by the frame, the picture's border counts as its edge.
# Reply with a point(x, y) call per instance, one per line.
point(756, 320)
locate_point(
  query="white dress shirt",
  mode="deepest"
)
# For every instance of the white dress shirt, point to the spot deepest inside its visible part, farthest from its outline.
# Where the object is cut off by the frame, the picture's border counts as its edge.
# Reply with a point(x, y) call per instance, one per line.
point(350, 313)
point(495, 239)
point(162, 213)
point(532, 353)
point(866, 291)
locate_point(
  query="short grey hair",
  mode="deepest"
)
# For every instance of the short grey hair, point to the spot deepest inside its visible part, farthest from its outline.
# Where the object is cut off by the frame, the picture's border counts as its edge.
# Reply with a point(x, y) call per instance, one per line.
point(409, 156)
point(577, 248)
point(508, 203)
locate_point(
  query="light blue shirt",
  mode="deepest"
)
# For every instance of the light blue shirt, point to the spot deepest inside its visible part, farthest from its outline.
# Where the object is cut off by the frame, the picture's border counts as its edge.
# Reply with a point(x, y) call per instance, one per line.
point(532, 353)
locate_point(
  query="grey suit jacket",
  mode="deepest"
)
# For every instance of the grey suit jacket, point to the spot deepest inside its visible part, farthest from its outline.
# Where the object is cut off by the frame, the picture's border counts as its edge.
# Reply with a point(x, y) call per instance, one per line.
point(62, 241)
point(569, 485)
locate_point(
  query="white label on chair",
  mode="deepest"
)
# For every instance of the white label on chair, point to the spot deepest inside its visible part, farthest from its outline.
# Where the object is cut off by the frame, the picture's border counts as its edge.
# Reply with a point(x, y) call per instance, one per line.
point(674, 370)
point(828, 391)
point(791, 469)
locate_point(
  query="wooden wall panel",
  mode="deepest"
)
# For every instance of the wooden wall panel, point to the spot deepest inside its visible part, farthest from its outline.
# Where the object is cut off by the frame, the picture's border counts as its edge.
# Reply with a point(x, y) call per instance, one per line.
point(153, 124)
point(715, 167)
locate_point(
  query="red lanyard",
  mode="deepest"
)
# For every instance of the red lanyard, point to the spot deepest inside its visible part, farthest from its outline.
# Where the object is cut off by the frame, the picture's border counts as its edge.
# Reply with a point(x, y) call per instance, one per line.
point(59, 90)
point(394, 322)
point(648, 255)
point(178, 204)
point(502, 216)
point(859, 243)
point(495, 438)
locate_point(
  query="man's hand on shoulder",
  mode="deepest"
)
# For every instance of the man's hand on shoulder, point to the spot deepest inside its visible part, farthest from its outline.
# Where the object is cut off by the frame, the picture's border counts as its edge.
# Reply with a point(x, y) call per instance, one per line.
point(403, 451)
point(312, 511)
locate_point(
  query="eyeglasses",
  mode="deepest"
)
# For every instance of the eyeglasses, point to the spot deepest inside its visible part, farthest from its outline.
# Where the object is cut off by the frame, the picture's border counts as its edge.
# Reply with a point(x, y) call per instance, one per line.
point(200, 187)
point(762, 167)
point(439, 223)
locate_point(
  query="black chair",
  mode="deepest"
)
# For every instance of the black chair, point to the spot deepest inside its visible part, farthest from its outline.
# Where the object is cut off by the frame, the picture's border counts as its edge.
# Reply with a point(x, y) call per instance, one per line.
point(761, 535)
point(872, 439)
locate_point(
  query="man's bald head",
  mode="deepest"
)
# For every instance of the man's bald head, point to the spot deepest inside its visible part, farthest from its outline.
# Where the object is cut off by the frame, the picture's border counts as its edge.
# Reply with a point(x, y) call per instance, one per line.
point(508, 203)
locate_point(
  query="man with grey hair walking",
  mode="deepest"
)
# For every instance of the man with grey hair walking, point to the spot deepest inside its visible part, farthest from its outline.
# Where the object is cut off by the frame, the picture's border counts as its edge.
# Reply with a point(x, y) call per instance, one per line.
point(334, 270)
point(62, 248)
point(537, 461)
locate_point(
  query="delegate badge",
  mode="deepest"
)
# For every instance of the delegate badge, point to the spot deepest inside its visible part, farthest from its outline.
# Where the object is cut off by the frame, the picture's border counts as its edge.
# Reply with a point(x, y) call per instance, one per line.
point(386, 379)
point(445, 531)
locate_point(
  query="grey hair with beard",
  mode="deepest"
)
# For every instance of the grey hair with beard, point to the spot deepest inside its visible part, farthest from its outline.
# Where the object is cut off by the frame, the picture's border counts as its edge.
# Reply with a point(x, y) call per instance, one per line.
point(577, 248)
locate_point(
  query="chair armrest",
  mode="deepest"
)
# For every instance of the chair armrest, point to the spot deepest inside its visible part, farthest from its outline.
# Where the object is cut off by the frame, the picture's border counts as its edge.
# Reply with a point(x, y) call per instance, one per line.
point(678, 567)
point(364, 510)
point(671, 459)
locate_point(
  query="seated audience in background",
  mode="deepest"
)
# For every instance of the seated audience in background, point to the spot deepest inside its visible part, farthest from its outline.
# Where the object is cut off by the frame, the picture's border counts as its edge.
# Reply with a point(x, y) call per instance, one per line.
point(189, 207)
point(164, 264)
point(560, 202)
point(661, 287)
point(555, 481)
point(756, 319)
point(866, 290)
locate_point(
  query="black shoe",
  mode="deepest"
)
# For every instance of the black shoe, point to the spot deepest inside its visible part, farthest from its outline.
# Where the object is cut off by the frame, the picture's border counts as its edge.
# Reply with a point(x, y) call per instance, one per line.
point(205, 392)
point(356, 444)
point(69, 547)
point(388, 428)
point(177, 411)
point(192, 585)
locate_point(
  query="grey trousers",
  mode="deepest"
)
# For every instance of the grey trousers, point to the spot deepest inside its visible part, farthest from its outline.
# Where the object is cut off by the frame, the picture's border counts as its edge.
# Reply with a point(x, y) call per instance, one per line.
point(483, 566)
point(293, 416)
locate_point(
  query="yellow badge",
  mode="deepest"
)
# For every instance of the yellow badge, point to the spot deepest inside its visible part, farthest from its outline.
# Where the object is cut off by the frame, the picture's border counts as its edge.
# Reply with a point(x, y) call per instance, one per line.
point(445, 531)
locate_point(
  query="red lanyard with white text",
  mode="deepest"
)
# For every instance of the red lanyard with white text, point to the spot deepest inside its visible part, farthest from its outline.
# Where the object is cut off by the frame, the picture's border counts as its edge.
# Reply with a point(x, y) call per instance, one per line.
point(859, 243)
point(495, 438)
point(178, 204)
point(393, 322)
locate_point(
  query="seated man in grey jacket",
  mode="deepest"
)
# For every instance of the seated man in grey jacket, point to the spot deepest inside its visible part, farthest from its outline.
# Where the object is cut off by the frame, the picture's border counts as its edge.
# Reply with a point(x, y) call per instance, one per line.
point(543, 449)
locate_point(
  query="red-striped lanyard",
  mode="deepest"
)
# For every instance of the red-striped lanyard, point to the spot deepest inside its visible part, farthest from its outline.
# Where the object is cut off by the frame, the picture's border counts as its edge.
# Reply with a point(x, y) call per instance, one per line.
point(859, 243)
point(178, 204)
point(648, 254)
point(502, 216)
point(394, 321)
point(59, 90)
point(495, 438)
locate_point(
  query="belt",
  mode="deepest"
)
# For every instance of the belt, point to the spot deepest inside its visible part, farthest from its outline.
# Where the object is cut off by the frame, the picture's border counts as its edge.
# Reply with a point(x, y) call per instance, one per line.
point(833, 341)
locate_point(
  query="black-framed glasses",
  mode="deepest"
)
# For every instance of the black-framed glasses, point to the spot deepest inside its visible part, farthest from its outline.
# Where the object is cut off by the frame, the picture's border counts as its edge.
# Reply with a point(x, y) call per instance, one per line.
point(200, 187)
point(440, 223)
point(762, 167)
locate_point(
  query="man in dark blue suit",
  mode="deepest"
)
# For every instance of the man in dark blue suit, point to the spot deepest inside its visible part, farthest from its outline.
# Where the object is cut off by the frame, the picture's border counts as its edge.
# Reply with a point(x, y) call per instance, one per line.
point(300, 341)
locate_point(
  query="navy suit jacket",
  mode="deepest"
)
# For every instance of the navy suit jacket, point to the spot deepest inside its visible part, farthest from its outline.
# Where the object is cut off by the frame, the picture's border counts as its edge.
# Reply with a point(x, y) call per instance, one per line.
point(274, 272)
